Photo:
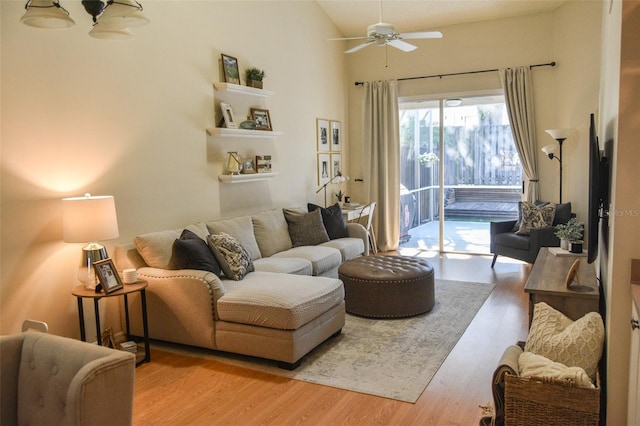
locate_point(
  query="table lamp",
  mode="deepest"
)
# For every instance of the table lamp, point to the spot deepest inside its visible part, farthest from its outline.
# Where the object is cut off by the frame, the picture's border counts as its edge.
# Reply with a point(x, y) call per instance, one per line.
point(89, 219)
point(340, 178)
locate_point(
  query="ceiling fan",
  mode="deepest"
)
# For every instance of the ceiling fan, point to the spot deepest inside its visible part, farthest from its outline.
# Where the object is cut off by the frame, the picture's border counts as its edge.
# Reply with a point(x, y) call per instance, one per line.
point(383, 34)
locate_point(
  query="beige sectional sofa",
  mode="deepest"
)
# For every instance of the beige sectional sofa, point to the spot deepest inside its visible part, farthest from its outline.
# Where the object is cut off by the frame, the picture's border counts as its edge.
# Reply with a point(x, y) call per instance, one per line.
point(284, 300)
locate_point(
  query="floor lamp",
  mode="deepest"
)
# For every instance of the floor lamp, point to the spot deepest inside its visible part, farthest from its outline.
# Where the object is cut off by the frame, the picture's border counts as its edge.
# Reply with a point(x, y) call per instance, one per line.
point(339, 176)
point(559, 135)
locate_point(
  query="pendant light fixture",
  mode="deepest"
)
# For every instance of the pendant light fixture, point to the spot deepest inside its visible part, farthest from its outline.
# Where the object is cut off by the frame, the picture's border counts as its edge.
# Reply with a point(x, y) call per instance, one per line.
point(46, 14)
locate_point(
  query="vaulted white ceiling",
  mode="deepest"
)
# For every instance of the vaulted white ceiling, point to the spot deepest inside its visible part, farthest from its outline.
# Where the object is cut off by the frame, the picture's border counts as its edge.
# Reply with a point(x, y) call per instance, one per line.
point(353, 16)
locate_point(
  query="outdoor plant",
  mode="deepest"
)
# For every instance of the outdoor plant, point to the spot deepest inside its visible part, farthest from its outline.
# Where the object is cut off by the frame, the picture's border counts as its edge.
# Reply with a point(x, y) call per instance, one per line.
point(253, 73)
point(428, 158)
point(571, 231)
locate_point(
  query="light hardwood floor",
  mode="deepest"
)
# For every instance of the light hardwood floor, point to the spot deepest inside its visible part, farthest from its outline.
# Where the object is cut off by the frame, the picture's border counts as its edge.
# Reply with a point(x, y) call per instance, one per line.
point(178, 390)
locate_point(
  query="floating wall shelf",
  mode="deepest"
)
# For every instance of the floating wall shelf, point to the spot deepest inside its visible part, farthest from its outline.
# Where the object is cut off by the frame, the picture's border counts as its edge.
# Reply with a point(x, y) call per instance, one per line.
point(243, 133)
point(246, 178)
point(245, 90)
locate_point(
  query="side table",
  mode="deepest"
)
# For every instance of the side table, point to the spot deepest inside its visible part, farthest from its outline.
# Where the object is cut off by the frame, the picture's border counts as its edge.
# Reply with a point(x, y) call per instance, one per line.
point(80, 292)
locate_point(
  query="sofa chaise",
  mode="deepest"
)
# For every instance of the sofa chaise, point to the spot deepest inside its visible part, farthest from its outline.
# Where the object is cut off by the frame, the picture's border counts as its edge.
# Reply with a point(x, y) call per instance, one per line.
point(281, 302)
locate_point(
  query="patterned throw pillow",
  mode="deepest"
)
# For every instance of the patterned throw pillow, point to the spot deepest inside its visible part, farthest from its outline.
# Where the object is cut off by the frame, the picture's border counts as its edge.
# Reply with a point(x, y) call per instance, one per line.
point(306, 229)
point(234, 261)
point(572, 343)
point(535, 217)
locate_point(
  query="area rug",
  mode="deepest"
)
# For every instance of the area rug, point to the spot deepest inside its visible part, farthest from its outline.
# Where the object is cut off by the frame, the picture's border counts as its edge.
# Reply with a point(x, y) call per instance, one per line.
point(394, 358)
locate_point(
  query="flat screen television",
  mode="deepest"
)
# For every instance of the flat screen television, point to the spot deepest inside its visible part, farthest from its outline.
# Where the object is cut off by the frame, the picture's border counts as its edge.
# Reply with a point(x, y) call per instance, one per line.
point(598, 190)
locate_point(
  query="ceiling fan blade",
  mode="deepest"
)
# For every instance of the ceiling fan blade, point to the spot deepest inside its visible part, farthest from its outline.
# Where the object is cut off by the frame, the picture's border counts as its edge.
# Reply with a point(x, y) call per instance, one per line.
point(359, 47)
point(402, 45)
point(348, 38)
point(423, 34)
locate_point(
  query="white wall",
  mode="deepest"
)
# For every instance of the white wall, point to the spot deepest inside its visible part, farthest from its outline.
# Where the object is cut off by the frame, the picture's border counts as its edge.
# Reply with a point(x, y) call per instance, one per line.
point(128, 118)
point(570, 36)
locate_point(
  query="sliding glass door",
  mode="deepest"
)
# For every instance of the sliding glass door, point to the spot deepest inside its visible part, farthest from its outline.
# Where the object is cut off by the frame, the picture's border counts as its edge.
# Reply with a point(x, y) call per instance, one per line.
point(459, 171)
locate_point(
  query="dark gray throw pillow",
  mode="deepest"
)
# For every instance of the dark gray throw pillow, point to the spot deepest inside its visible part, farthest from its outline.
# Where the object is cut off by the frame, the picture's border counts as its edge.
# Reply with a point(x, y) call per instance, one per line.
point(192, 252)
point(306, 229)
point(332, 220)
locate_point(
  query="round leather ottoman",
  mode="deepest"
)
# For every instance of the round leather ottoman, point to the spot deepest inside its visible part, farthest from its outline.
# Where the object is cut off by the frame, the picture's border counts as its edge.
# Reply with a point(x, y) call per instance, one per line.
point(387, 286)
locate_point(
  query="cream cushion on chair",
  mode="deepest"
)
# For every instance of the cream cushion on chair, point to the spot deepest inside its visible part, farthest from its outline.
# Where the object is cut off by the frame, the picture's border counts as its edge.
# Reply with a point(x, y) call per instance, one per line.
point(575, 344)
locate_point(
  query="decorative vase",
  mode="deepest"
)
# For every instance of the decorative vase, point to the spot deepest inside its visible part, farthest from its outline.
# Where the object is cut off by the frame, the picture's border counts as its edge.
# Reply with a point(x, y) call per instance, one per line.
point(233, 163)
point(564, 244)
point(254, 83)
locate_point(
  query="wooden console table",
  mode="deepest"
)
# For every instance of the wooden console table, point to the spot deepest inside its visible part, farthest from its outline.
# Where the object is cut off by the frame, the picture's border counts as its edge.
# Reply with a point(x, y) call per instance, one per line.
point(546, 283)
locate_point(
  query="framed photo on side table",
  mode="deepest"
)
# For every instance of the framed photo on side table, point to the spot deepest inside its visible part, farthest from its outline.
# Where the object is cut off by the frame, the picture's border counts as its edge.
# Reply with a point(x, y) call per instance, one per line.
point(227, 114)
point(262, 119)
point(108, 276)
point(230, 69)
point(336, 136)
point(324, 168)
point(322, 134)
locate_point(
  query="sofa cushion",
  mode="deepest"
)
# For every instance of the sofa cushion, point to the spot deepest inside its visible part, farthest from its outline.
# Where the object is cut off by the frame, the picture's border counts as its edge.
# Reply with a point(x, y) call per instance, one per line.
point(296, 266)
point(271, 232)
point(279, 301)
point(572, 343)
point(511, 240)
point(535, 217)
point(240, 228)
point(192, 252)
point(233, 259)
point(350, 248)
point(156, 248)
point(323, 259)
point(306, 229)
point(332, 220)
point(563, 213)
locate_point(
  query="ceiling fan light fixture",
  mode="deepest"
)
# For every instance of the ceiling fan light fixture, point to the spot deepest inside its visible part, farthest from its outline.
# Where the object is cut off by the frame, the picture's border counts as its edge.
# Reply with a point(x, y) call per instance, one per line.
point(106, 32)
point(453, 102)
point(122, 14)
point(46, 14)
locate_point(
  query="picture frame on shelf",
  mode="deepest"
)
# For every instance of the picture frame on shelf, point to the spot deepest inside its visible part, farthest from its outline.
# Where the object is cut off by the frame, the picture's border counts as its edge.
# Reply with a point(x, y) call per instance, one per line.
point(230, 69)
point(336, 136)
point(261, 118)
point(324, 168)
point(227, 115)
point(247, 166)
point(108, 275)
point(336, 164)
point(263, 163)
point(322, 134)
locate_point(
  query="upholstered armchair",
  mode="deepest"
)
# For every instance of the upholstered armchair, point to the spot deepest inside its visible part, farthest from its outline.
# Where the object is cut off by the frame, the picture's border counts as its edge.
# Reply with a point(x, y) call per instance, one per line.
point(506, 242)
point(48, 379)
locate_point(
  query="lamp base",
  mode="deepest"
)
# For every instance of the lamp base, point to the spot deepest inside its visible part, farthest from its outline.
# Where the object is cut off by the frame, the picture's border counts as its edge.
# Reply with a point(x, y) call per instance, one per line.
point(92, 252)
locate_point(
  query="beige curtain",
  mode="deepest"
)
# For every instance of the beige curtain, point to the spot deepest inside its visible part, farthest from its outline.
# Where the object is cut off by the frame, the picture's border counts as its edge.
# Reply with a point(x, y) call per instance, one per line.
point(381, 159)
point(518, 93)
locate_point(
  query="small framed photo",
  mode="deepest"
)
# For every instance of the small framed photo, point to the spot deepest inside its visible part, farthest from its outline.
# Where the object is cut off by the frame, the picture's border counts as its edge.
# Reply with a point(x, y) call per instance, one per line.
point(227, 115)
point(336, 164)
point(262, 119)
point(230, 69)
point(247, 166)
point(336, 136)
point(322, 134)
point(324, 168)
point(108, 276)
point(263, 163)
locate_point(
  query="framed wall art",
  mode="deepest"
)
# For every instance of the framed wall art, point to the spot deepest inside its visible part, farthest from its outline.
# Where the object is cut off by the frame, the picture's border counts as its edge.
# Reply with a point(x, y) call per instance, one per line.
point(324, 168)
point(336, 136)
point(322, 134)
point(107, 275)
point(336, 164)
point(263, 163)
point(230, 69)
point(227, 115)
point(262, 118)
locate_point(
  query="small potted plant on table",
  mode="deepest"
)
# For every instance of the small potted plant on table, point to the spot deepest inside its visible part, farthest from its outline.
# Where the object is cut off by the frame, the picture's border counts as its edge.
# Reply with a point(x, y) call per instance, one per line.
point(570, 235)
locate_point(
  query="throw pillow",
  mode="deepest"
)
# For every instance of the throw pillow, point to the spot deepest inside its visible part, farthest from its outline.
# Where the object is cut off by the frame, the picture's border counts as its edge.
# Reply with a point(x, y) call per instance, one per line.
point(572, 343)
point(192, 252)
point(563, 213)
point(306, 229)
point(156, 248)
point(234, 260)
point(271, 232)
point(332, 220)
point(535, 217)
point(240, 228)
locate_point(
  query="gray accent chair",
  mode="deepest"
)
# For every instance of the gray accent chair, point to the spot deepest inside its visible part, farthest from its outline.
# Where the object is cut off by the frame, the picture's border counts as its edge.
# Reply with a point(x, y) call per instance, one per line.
point(505, 241)
point(53, 380)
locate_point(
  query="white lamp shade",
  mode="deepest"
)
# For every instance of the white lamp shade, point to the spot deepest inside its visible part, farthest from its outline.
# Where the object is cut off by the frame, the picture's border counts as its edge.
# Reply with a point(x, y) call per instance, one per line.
point(121, 15)
point(107, 32)
point(86, 219)
point(44, 14)
point(559, 133)
point(549, 149)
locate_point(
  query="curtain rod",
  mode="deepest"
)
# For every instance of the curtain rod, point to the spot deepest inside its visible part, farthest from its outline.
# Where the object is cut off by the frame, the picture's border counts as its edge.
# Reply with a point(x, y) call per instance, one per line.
point(550, 64)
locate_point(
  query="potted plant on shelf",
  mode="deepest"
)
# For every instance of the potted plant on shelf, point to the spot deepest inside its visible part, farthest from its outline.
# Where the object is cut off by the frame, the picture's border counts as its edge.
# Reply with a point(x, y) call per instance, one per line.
point(254, 77)
point(570, 234)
